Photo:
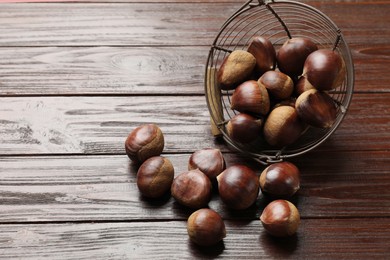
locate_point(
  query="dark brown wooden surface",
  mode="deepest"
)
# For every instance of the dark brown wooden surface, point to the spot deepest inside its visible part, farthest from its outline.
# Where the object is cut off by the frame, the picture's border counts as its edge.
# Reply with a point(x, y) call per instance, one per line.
point(76, 78)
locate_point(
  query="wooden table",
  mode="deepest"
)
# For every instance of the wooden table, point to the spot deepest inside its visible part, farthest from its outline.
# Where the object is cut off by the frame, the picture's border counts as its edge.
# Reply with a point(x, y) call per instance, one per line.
point(76, 78)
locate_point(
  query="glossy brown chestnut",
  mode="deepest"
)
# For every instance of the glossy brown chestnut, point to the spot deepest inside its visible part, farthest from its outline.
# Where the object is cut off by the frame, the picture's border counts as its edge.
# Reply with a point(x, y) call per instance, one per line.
point(205, 227)
point(280, 218)
point(235, 69)
point(302, 85)
point(316, 108)
point(210, 161)
point(278, 84)
point(144, 142)
point(244, 128)
point(283, 126)
point(292, 55)
point(238, 187)
point(324, 69)
point(264, 52)
point(192, 189)
point(155, 176)
point(250, 97)
point(280, 180)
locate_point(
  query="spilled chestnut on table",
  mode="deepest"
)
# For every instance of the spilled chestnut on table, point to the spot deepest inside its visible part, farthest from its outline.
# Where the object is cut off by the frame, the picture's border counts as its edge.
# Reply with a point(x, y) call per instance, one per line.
point(238, 187)
point(280, 218)
point(144, 142)
point(280, 180)
point(210, 161)
point(192, 189)
point(155, 176)
point(205, 227)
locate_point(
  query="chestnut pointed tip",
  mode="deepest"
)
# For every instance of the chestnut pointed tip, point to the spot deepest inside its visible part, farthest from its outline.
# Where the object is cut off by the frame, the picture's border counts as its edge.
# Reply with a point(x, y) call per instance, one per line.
point(210, 161)
point(264, 52)
point(316, 108)
point(244, 128)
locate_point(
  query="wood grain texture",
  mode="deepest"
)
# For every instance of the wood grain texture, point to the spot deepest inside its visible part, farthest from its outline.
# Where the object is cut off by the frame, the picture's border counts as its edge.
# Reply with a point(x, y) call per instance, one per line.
point(102, 70)
point(177, 1)
point(99, 125)
point(326, 239)
point(103, 188)
point(62, 24)
point(140, 70)
point(76, 78)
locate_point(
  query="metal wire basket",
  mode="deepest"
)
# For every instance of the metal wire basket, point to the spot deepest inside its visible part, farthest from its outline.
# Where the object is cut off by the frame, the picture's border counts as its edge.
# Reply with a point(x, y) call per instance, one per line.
point(277, 21)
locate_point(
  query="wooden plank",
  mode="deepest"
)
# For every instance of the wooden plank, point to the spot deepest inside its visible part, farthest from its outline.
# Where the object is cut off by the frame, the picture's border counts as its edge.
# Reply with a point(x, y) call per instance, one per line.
point(103, 188)
point(322, 238)
point(100, 125)
point(139, 70)
point(175, 1)
point(62, 24)
point(102, 70)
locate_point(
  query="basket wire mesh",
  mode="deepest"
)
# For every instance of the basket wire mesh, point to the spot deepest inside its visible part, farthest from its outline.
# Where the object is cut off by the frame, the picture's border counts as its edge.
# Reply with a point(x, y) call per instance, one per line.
point(278, 21)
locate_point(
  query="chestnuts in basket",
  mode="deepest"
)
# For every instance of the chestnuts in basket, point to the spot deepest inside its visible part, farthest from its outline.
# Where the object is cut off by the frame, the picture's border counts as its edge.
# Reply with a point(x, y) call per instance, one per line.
point(316, 108)
point(244, 128)
point(264, 52)
point(283, 126)
point(235, 68)
point(292, 55)
point(278, 84)
point(302, 85)
point(324, 69)
point(251, 97)
point(297, 75)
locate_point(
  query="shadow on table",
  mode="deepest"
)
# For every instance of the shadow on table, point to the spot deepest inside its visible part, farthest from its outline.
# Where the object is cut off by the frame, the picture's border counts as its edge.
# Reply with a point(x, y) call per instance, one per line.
point(206, 252)
point(278, 247)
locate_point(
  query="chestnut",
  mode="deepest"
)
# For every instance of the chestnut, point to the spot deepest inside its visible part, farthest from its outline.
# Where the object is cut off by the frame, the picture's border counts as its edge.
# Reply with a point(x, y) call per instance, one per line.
point(280, 218)
point(238, 187)
point(264, 52)
point(155, 176)
point(205, 227)
point(144, 142)
point(316, 108)
point(283, 126)
point(244, 128)
point(235, 68)
point(280, 180)
point(292, 55)
point(302, 85)
point(286, 102)
point(278, 84)
point(324, 69)
point(250, 97)
point(210, 161)
point(192, 189)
